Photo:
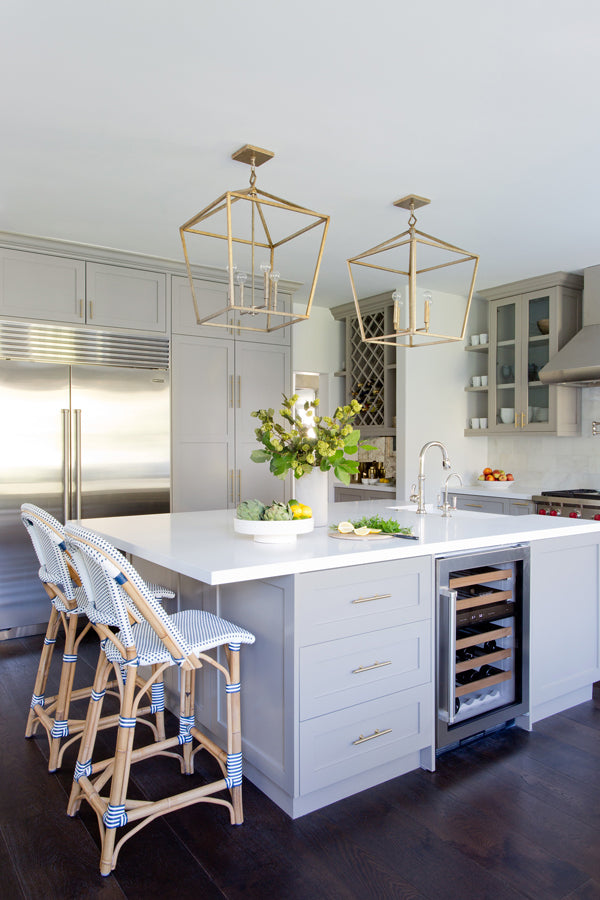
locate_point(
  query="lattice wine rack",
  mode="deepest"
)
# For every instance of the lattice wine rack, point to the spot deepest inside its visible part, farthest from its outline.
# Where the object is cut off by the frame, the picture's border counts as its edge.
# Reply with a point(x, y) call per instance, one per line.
point(367, 370)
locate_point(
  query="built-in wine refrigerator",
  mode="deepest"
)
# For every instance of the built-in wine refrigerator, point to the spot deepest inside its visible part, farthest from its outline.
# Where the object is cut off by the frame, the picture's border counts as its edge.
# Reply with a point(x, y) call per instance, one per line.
point(482, 642)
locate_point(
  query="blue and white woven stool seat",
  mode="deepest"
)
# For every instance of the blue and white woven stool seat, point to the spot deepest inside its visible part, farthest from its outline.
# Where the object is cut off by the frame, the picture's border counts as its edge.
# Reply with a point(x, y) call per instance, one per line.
point(201, 631)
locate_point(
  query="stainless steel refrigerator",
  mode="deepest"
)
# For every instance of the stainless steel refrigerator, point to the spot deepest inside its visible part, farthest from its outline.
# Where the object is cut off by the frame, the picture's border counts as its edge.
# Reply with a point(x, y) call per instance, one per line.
point(85, 433)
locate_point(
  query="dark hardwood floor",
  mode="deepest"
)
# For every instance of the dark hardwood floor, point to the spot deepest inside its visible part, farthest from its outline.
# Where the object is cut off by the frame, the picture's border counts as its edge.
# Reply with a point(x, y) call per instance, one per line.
point(512, 815)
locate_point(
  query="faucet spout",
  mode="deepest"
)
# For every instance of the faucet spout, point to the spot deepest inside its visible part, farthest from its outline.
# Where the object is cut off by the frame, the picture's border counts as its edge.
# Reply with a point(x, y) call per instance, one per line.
point(445, 462)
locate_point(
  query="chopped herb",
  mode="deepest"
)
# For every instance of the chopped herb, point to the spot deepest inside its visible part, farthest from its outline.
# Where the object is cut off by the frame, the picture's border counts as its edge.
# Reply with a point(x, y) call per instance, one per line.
point(387, 526)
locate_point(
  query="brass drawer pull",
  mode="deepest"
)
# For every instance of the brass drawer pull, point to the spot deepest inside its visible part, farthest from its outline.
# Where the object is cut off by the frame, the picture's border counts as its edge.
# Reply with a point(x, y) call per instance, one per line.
point(368, 599)
point(474, 505)
point(376, 665)
point(377, 733)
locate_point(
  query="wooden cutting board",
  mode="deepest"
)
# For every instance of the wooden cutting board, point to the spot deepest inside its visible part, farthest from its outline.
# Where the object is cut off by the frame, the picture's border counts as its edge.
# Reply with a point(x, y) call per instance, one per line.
point(360, 537)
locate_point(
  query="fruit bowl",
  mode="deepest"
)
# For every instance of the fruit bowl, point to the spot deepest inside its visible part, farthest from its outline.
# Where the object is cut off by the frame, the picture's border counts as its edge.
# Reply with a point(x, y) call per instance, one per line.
point(495, 484)
point(284, 532)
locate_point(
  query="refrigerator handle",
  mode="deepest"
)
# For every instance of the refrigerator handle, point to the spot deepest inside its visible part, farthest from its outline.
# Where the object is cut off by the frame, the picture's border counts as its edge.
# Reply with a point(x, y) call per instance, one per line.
point(449, 619)
point(66, 448)
point(77, 463)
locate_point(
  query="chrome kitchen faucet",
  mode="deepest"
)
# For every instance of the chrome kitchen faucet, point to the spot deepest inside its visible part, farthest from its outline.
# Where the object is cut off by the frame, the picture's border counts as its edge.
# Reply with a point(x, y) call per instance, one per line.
point(420, 496)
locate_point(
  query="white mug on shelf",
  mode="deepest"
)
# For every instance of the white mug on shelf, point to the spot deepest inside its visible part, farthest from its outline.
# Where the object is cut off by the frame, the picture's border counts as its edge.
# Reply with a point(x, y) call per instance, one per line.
point(476, 380)
point(474, 339)
point(475, 423)
point(542, 414)
point(483, 338)
point(507, 415)
point(484, 380)
point(483, 423)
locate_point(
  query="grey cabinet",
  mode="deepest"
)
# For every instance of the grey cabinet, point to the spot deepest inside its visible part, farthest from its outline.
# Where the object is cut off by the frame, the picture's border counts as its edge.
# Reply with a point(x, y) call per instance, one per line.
point(216, 385)
point(211, 296)
point(505, 506)
point(528, 322)
point(61, 289)
point(338, 688)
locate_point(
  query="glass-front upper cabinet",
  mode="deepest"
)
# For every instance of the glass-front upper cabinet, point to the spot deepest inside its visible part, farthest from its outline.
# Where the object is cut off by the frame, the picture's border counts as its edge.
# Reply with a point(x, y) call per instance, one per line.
point(526, 329)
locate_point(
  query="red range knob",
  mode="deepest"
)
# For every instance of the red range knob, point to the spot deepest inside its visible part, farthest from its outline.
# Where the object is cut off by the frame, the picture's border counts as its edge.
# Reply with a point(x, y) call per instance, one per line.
point(554, 512)
point(574, 515)
point(597, 517)
point(543, 512)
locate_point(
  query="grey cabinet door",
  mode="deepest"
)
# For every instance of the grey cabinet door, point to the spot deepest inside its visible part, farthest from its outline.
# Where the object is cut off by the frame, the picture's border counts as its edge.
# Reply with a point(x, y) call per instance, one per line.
point(121, 297)
point(39, 286)
point(262, 375)
point(203, 423)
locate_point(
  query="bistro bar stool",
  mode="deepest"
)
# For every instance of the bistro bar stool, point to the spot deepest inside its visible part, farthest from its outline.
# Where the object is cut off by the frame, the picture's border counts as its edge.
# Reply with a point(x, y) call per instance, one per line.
point(148, 636)
point(68, 600)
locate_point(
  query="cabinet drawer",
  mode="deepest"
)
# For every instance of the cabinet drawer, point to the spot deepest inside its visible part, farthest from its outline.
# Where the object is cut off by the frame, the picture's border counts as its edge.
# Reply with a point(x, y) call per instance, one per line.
point(342, 673)
point(346, 743)
point(339, 603)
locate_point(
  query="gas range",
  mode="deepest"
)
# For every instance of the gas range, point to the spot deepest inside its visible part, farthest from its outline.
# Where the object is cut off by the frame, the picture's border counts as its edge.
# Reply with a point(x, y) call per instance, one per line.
point(578, 503)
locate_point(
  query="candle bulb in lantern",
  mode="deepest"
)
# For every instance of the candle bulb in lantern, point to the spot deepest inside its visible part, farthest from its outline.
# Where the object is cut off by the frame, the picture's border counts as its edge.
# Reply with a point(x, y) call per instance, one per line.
point(241, 279)
point(230, 289)
point(427, 311)
point(397, 298)
point(265, 269)
point(275, 276)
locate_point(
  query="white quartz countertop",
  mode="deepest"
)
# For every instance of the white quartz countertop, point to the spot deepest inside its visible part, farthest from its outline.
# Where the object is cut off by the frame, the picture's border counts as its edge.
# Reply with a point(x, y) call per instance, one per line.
point(204, 545)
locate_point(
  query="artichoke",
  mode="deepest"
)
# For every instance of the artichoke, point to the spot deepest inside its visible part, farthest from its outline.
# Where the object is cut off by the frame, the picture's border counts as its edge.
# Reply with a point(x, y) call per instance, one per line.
point(251, 509)
point(277, 512)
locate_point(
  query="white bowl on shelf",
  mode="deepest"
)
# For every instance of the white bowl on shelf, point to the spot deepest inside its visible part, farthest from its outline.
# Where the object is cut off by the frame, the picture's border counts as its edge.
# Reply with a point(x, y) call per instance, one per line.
point(495, 485)
point(284, 532)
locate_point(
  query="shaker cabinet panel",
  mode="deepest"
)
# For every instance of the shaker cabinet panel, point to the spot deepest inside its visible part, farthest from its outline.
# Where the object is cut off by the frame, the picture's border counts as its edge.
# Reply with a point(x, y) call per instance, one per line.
point(37, 286)
point(120, 297)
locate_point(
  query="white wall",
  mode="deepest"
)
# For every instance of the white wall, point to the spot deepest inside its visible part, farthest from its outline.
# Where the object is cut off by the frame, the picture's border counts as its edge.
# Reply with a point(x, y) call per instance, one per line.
point(433, 405)
point(318, 345)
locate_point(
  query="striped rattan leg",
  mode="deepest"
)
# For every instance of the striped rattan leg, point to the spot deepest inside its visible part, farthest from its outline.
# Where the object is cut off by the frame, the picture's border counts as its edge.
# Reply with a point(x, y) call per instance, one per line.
point(83, 766)
point(158, 704)
point(41, 678)
point(187, 717)
point(115, 815)
point(60, 729)
point(234, 733)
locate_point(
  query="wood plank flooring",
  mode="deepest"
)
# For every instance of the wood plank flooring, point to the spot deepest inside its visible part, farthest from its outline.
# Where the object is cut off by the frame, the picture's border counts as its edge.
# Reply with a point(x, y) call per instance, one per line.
point(513, 815)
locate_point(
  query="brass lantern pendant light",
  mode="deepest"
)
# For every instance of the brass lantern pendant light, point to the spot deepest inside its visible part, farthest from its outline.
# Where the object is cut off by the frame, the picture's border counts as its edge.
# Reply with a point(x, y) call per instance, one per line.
point(403, 258)
point(256, 230)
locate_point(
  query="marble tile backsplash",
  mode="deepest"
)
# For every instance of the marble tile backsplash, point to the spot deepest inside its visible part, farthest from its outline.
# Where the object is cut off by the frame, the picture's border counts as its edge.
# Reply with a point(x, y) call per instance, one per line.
point(384, 453)
point(554, 462)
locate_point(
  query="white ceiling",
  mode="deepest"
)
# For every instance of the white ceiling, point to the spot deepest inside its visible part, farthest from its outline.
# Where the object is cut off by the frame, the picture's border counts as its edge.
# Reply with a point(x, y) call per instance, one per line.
point(119, 119)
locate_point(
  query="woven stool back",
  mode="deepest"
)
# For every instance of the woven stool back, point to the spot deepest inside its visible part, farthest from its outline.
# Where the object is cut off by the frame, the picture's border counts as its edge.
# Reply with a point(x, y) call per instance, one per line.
point(48, 539)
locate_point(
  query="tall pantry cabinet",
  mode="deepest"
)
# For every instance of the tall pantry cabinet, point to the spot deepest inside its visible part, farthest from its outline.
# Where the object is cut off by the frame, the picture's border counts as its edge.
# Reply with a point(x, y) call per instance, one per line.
point(219, 376)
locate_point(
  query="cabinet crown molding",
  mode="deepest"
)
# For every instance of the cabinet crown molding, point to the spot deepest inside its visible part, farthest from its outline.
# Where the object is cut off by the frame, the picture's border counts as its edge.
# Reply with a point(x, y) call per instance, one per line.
point(538, 283)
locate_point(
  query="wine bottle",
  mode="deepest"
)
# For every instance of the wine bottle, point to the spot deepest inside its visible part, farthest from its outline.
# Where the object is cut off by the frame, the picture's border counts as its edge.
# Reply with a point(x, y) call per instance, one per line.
point(490, 646)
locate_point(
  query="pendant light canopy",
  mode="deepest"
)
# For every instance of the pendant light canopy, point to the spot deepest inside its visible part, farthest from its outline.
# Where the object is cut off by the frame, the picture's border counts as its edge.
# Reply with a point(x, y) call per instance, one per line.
point(256, 230)
point(415, 321)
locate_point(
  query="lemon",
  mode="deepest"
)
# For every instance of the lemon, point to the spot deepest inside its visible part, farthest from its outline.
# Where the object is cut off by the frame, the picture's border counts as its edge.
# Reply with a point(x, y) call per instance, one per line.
point(362, 531)
point(300, 510)
point(374, 530)
point(346, 528)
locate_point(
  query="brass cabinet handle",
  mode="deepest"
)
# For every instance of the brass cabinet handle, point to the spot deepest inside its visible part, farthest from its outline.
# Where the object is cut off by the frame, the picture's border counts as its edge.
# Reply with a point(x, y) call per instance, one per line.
point(368, 599)
point(475, 505)
point(522, 420)
point(231, 488)
point(377, 733)
point(81, 309)
point(239, 480)
point(239, 381)
point(91, 309)
point(231, 392)
point(516, 420)
point(375, 665)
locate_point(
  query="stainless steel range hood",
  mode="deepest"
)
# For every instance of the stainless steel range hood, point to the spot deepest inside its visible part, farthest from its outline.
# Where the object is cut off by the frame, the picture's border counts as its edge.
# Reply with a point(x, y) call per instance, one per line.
point(578, 362)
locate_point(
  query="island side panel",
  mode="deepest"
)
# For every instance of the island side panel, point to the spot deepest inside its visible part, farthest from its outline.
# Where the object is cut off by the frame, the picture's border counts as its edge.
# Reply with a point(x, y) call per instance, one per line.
point(565, 623)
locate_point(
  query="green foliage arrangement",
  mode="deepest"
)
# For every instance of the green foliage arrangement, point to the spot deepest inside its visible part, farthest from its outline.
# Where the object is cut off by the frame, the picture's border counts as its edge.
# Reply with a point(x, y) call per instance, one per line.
point(325, 444)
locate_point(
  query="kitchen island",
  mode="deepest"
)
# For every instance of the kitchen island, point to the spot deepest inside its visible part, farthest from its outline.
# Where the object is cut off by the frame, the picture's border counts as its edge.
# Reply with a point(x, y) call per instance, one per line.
point(338, 691)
